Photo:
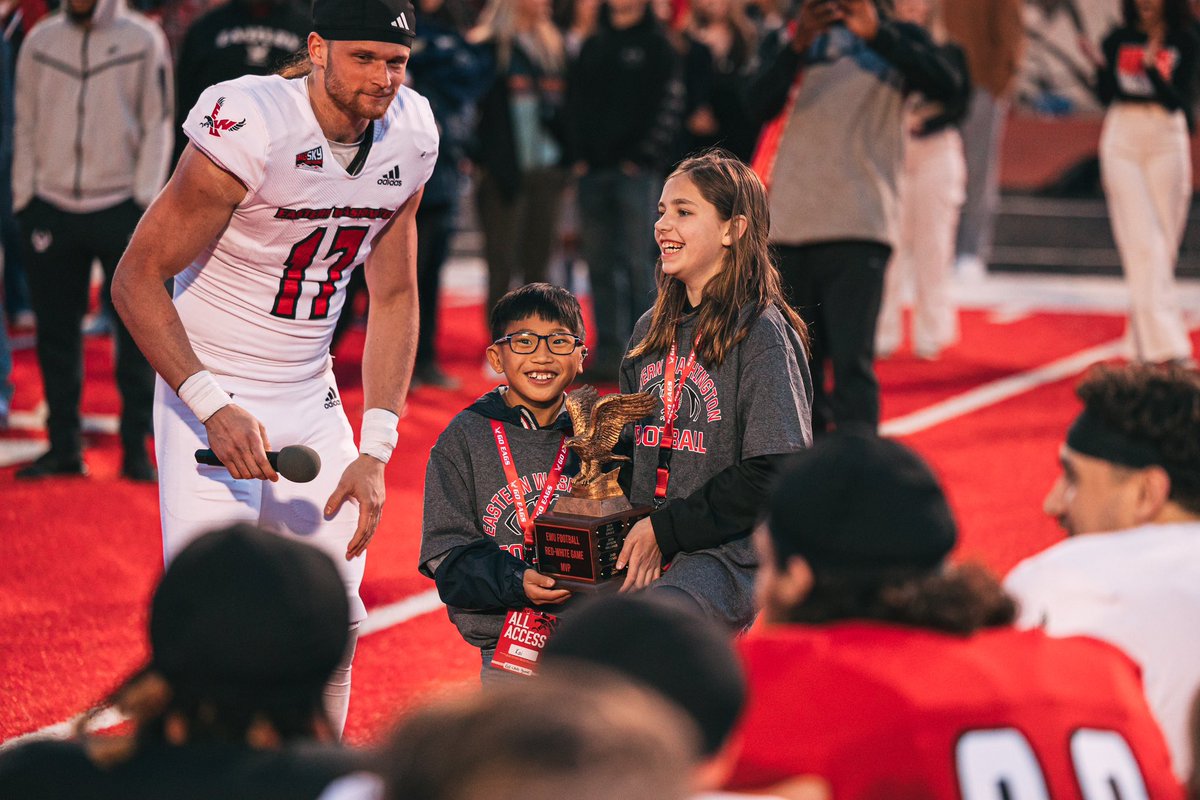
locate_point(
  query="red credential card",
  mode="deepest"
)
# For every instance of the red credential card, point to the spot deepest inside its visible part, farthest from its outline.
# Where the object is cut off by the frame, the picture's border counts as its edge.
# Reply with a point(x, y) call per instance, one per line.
point(524, 635)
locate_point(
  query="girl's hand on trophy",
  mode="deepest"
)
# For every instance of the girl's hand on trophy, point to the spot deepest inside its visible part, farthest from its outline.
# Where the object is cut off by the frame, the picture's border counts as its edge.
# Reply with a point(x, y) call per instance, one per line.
point(642, 555)
point(540, 589)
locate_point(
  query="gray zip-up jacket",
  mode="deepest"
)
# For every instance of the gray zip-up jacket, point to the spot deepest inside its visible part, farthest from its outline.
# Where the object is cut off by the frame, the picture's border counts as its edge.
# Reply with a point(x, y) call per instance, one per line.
point(94, 105)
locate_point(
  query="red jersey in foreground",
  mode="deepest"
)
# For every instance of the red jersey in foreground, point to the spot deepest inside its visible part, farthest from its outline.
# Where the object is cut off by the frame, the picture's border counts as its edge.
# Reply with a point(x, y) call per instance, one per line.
point(887, 712)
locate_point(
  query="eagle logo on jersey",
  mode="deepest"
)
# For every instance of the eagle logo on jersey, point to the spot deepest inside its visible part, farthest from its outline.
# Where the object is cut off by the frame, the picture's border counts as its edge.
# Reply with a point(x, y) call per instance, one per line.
point(215, 124)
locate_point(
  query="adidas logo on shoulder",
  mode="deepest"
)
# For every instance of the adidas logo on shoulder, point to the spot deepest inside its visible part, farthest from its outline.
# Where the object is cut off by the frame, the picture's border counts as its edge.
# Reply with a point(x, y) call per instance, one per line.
point(331, 398)
point(392, 178)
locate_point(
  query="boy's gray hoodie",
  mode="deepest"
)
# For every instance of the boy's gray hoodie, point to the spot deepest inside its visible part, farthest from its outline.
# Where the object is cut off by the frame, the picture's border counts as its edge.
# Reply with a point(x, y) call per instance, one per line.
point(469, 517)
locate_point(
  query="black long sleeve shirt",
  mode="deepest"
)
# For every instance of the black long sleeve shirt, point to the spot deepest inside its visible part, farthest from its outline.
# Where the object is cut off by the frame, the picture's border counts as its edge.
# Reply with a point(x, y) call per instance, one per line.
point(1124, 77)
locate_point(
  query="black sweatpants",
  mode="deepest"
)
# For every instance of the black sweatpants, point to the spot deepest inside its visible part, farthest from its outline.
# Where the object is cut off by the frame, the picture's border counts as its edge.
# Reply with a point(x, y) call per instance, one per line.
point(59, 248)
point(434, 226)
point(837, 288)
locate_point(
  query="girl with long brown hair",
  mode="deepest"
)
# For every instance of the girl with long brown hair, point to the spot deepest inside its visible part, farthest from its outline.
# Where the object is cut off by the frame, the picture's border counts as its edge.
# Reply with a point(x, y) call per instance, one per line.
point(727, 354)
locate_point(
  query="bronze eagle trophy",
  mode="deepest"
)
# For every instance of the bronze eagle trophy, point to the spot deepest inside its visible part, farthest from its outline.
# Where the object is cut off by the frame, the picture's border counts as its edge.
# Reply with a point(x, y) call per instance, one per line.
point(577, 542)
point(598, 423)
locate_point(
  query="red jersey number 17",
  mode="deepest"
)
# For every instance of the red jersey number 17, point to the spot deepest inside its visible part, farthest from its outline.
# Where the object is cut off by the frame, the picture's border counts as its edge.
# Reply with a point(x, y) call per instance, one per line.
point(341, 255)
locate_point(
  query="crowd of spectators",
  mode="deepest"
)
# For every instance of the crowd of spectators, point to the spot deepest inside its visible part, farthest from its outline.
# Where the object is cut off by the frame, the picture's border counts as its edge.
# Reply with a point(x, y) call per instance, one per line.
point(559, 122)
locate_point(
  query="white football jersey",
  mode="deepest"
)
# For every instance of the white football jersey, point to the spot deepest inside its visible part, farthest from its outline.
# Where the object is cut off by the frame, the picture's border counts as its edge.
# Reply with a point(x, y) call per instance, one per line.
point(263, 298)
point(1138, 589)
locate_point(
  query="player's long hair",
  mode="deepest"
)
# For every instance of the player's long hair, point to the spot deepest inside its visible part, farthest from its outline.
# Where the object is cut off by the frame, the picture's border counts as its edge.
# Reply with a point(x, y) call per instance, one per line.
point(748, 280)
point(299, 65)
point(210, 717)
point(956, 599)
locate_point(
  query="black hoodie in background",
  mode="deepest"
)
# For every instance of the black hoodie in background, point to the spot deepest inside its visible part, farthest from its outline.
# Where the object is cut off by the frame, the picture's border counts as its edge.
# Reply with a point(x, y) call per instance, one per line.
point(620, 96)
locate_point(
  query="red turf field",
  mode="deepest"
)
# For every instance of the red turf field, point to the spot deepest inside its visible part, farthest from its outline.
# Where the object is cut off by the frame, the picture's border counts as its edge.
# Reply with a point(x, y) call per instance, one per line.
point(80, 556)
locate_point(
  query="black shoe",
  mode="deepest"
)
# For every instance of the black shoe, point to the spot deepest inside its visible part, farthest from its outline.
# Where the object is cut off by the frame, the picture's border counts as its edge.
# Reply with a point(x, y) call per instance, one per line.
point(138, 468)
point(50, 464)
point(432, 375)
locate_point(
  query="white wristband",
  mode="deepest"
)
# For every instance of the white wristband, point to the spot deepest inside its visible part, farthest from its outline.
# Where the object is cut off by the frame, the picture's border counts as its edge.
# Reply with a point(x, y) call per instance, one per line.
point(203, 395)
point(379, 434)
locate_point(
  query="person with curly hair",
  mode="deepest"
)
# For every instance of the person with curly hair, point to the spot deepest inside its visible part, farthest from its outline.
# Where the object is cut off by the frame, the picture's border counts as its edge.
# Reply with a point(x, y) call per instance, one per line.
point(891, 672)
point(1128, 497)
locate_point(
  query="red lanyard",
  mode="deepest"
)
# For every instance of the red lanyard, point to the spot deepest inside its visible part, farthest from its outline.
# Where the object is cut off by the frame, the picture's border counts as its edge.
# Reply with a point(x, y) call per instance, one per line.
point(672, 399)
point(514, 482)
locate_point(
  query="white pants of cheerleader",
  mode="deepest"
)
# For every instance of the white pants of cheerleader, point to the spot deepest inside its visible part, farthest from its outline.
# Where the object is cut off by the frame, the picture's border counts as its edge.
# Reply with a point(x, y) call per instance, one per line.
point(1146, 168)
point(194, 498)
point(932, 188)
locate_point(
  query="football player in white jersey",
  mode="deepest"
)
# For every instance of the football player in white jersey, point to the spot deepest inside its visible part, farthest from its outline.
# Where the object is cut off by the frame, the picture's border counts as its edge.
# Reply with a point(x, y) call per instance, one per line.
point(1128, 497)
point(287, 185)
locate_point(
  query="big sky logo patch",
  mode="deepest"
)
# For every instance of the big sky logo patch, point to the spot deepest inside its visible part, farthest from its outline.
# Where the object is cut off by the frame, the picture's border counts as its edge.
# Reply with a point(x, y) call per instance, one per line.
point(313, 159)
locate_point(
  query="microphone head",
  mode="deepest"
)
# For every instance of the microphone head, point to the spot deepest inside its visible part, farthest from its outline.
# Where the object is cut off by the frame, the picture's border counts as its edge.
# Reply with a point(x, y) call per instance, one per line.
point(297, 463)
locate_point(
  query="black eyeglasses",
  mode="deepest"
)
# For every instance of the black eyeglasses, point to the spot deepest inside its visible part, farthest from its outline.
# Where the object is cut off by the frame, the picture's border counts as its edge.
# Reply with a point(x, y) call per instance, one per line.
point(560, 344)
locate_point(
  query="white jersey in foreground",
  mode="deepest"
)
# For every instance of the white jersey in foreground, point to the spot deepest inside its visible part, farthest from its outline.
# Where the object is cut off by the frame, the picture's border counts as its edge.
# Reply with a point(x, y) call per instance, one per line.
point(1138, 589)
point(262, 300)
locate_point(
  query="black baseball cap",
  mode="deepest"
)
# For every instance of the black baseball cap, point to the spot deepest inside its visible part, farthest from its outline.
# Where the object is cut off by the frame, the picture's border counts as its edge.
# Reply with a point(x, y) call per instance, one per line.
point(856, 501)
point(242, 609)
point(365, 20)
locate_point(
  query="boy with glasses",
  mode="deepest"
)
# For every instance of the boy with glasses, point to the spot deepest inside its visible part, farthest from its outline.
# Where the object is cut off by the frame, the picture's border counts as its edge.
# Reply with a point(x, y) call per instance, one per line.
point(476, 533)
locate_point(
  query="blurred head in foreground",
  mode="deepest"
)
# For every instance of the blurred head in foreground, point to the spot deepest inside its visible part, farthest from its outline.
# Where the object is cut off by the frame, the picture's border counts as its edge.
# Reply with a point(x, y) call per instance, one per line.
point(858, 528)
point(585, 736)
point(669, 648)
point(245, 628)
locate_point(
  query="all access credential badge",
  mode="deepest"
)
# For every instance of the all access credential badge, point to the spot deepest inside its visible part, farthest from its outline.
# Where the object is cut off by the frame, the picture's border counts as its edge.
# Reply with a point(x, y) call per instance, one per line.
point(524, 635)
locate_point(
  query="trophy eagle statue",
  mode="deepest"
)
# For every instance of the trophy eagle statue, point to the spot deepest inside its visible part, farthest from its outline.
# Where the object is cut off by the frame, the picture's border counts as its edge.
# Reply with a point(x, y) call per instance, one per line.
point(598, 423)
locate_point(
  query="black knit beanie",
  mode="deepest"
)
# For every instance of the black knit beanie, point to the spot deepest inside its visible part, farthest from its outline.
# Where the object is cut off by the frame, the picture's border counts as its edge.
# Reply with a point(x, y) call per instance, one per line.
point(856, 501)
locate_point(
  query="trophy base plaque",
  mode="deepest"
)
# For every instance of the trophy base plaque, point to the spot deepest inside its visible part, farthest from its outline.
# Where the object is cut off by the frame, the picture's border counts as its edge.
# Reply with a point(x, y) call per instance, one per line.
point(578, 542)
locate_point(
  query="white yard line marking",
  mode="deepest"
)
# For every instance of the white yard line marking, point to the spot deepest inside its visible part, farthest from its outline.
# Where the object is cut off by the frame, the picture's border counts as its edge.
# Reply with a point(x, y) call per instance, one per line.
point(20, 451)
point(411, 607)
point(379, 619)
point(35, 420)
point(61, 730)
point(1011, 314)
point(999, 390)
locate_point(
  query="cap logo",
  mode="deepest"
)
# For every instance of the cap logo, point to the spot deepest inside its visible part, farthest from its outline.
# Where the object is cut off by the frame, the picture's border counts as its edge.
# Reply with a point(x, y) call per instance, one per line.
point(391, 21)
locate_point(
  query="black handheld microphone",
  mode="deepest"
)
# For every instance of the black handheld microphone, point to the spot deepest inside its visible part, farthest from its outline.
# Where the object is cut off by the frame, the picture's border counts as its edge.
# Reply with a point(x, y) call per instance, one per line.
point(297, 463)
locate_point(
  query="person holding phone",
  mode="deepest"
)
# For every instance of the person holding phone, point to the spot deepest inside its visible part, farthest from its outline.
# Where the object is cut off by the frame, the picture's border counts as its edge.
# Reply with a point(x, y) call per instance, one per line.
point(833, 86)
